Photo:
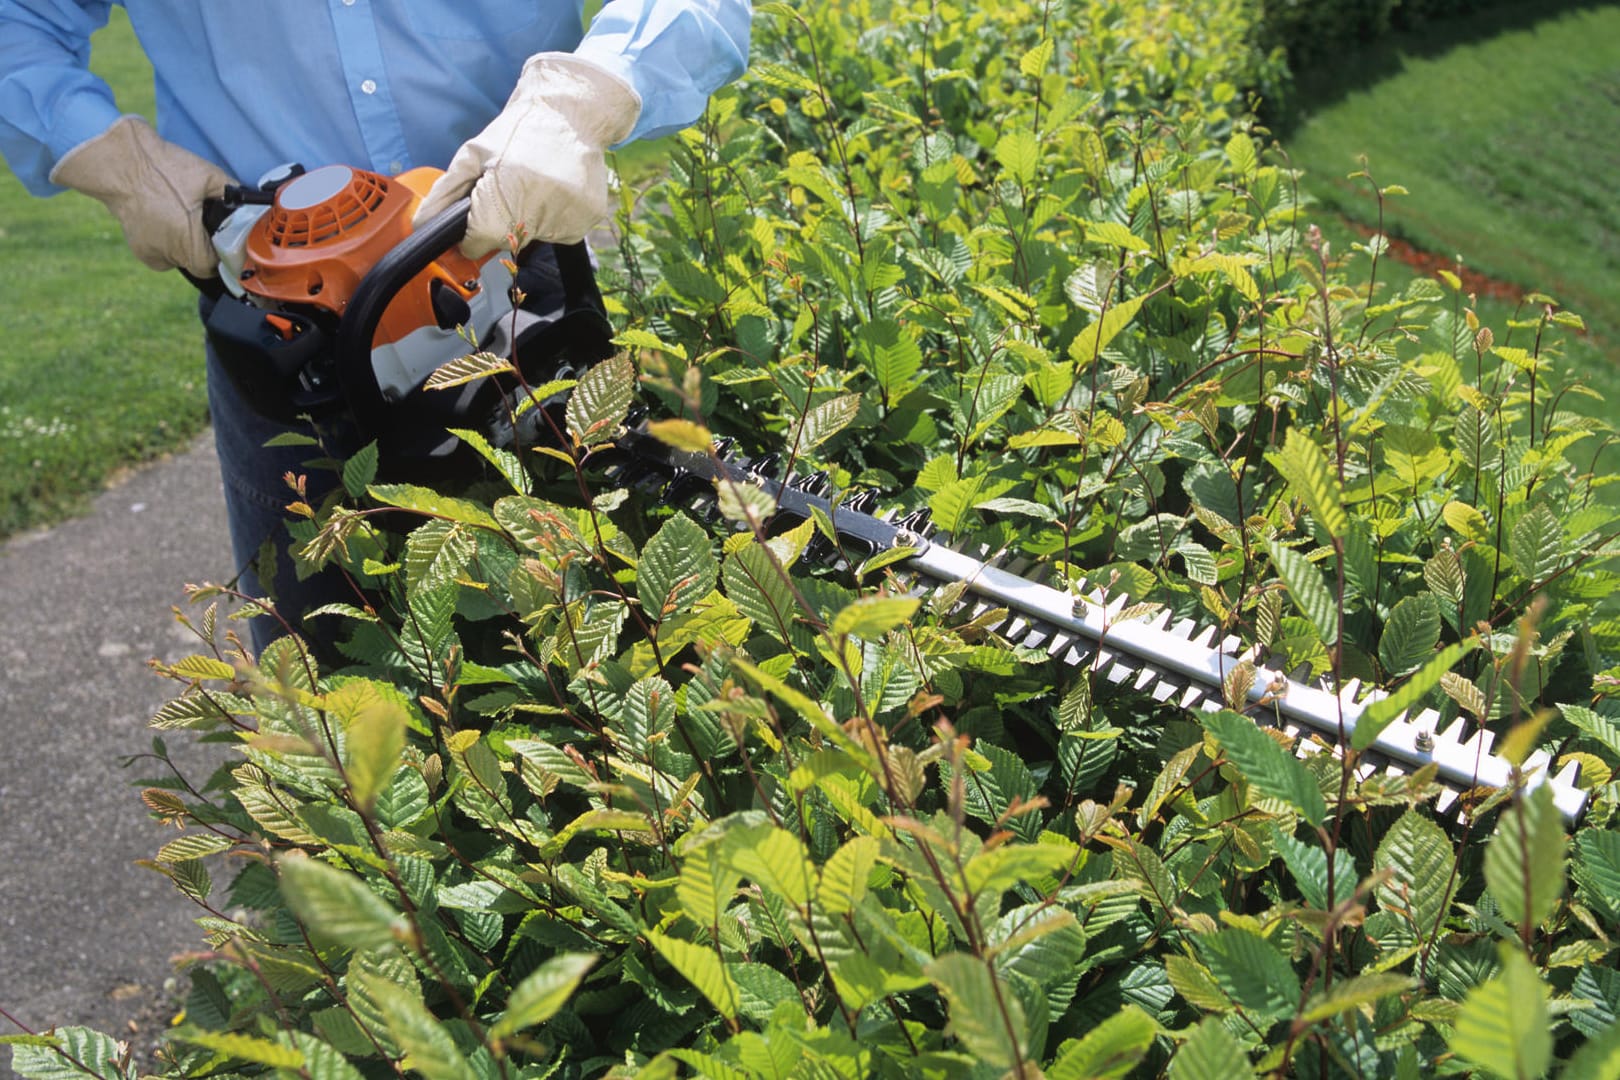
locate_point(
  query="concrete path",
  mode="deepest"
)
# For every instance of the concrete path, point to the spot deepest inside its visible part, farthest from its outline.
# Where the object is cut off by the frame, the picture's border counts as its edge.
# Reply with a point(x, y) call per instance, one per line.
point(85, 935)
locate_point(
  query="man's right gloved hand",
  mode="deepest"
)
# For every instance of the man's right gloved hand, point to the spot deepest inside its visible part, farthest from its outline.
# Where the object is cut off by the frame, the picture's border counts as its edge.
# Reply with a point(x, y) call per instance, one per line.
point(154, 188)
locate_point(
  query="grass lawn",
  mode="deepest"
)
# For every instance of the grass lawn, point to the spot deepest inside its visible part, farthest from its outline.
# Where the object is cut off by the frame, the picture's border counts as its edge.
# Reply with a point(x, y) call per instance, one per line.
point(101, 360)
point(1505, 128)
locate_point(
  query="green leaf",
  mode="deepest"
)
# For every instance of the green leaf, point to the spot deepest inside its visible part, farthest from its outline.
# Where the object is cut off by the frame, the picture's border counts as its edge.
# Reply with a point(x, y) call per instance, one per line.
point(707, 882)
point(824, 421)
point(1524, 861)
point(1308, 863)
point(204, 667)
point(426, 501)
point(360, 470)
point(338, 906)
point(195, 846)
point(1307, 590)
point(545, 991)
point(598, 404)
point(702, 968)
point(1536, 544)
point(1090, 342)
point(437, 553)
point(429, 1047)
point(1241, 153)
point(989, 1024)
point(677, 568)
point(1033, 63)
point(1348, 995)
point(1272, 770)
point(1210, 1053)
point(465, 369)
point(682, 435)
point(1503, 1025)
point(1019, 152)
point(1410, 635)
point(1596, 868)
point(98, 1054)
point(375, 723)
point(1417, 857)
point(1602, 729)
point(844, 877)
point(1112, 1048)
point(871, 617)
point(1305, 467)
point(508, 464)
point(773, 859)
point(1599, 1059)
point(1252, 971)
point(1384, 711)
point(1114, 235)
point(244, 1047)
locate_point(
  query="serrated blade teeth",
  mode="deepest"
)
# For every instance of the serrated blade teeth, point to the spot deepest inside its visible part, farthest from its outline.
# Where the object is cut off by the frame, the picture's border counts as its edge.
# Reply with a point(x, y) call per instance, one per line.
point(1161, 619)
point(1167, 689)
point(1077, 655)
point(1570, 774)
point(1184, 628)
point(1206, 636)
point(1060, 641)
point(1348, 692)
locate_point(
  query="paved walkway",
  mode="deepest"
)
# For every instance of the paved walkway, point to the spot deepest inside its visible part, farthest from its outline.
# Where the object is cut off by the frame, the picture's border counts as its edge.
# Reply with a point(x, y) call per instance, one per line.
point(85, 935)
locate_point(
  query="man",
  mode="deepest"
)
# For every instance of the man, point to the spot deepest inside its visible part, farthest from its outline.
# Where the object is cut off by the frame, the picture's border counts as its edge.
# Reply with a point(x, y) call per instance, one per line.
point(246, 85)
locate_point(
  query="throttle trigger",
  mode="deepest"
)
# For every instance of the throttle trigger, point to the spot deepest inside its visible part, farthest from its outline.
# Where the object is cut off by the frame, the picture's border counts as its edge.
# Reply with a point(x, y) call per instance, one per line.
point(450, 308)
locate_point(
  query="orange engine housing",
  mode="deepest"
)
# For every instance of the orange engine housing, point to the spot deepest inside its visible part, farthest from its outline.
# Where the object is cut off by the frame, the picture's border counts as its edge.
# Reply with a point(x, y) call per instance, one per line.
point(328, 227)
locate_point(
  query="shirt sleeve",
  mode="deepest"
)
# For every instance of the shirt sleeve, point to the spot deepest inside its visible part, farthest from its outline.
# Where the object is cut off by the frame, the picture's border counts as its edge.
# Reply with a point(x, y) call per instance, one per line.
point(674, 52)
point(49, 100)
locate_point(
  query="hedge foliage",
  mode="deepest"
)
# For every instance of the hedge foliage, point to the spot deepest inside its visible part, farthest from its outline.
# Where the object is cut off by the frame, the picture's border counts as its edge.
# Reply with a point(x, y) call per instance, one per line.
point(610, 786)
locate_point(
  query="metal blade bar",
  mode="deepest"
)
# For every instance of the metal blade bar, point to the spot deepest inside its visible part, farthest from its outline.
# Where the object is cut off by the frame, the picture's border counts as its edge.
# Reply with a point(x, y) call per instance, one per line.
point(1179, 654)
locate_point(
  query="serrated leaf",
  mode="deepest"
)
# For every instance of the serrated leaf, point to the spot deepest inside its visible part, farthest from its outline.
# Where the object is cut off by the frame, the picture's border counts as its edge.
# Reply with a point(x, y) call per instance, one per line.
point(191, 847)
point(677, 567)
point(429, 1047)
point(774, 859)
point(508, 464)
point(600, 401)
point(702, 968)
point(1251, 970)
point(1596, 868)
point(1410, 634)
point(360, 470)
point(1033, 63)
point(1524, 861)
point(989, 1025)
point(1308, 863)
point(1307, 590)
point(338, 906)
point(465, 369)
point(244, 1047)
point(871, 617)
point(543, 993)
point(73, 1054)
point(1019, 152)
point(1267, 766)
point(1598, 1059)
point(1417, 857)
point(1241, 153)
point(1310, 478)
point(375, 723)
point(204, 667)
point(1111, 1049)
point(1351, 994)
point(1115, 235)
point(682, 435)
point(437, 553)
point(844, 876)
point(1503, 1025)
point(707, 882)
point(426, 501)
point(1381, 713)
point(1090, 342)
point(1210, 1053)
point(824, 421)
point(1536, 544)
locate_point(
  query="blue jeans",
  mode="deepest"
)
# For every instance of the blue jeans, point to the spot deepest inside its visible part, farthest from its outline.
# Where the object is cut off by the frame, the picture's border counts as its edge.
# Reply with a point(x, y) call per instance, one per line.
point(256, 497)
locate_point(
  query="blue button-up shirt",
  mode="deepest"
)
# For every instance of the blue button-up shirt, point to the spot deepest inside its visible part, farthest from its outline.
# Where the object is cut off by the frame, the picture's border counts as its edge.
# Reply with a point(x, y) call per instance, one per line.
point(384, 84)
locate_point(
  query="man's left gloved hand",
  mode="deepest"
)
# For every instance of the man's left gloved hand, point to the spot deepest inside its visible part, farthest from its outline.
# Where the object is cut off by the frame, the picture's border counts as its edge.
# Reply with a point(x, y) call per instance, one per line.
point(539, 169)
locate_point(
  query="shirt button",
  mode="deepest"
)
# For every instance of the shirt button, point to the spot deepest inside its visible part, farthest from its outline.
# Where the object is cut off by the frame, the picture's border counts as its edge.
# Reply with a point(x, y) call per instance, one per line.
point(369, 86)
point(348, 3)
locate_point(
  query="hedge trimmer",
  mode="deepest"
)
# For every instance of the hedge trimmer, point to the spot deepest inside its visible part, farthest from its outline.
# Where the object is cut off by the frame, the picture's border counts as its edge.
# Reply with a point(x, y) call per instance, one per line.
point(332, 305)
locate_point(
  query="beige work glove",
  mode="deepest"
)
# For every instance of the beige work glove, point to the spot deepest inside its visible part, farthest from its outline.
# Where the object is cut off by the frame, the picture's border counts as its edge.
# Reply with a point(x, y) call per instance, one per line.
point(538, 170)
point(154, 188)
